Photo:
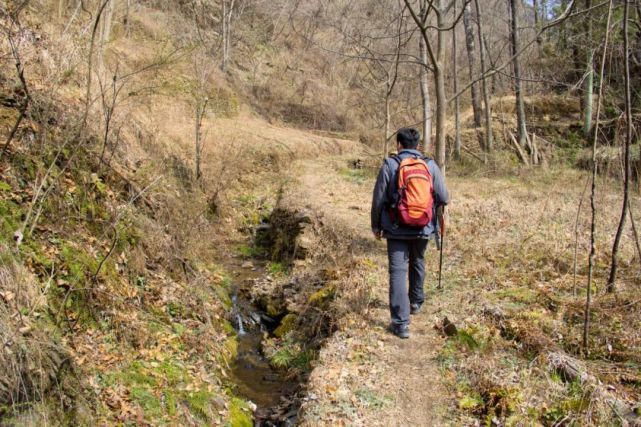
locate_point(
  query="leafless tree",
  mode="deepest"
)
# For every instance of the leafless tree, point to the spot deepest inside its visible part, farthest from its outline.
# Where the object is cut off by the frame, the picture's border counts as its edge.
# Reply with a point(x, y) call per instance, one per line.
point(425, 91)
point(471, 60)
point(487, 110)
point(437, 9)
point(226, 20)
point(628, 142)
point(516, 65)
point(457, 106)
point(19, 66)
point(589, 74)
point(595, 137)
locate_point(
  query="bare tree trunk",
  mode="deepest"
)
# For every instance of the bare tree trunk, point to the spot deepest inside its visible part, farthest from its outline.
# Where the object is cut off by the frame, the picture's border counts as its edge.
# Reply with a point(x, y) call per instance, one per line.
point(436, 60)
point(107, 23)
point(537, 24)
point(425, 96)
point(588, 298)
point(201, 109)
point(105, 30)
point(589, 75)
point(457, 106)
point(392, 78)
point(494, 85)
point(228, 10)
point(518, 84)
point(441, 98)
point(628, 141)
point(471, 59)
point(387, 122)
point(127, 19)
point(225, 35)
point(62, 5)
point(489, 137)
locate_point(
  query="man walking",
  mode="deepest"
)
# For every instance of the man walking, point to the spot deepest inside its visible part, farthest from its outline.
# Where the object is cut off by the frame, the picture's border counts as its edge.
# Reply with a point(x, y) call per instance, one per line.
point(408, 191)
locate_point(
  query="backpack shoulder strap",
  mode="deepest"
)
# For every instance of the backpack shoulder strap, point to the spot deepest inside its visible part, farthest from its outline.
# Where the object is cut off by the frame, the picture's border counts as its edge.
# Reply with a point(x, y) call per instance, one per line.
point(396, 158)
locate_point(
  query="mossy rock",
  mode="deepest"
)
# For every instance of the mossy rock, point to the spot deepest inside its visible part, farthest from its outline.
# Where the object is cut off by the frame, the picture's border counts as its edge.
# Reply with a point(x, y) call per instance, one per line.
point(274, 307)
point(231, 347)
point(322, 296)
point(286, 325)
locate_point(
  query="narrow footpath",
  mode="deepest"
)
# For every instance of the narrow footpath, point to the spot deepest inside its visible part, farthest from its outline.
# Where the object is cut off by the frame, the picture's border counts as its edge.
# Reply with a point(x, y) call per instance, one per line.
point(365, 375)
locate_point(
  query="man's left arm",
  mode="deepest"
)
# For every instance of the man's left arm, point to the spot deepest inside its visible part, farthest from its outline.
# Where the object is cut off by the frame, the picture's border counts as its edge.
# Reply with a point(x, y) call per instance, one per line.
point(441, 195)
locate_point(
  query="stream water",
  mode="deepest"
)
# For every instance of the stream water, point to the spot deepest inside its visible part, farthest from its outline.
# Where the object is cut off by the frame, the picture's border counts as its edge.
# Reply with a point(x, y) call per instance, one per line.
point(255, 379)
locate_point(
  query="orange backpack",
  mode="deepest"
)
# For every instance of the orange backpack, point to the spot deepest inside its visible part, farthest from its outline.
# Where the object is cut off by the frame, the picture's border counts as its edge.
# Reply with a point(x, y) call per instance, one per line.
point(414, 198)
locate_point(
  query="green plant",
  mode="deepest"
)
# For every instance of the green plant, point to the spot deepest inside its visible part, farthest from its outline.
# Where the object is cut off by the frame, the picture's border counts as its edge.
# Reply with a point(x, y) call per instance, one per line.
point(276, 268)
point(370, 399)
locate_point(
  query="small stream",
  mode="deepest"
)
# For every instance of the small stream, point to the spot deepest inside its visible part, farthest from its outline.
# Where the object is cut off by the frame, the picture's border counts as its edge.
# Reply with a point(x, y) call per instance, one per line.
point(255, 379)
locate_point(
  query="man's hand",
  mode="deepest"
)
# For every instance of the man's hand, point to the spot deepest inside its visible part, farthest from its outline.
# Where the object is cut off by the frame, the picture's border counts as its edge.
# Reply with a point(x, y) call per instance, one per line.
point(377, 234)
point(442, 218)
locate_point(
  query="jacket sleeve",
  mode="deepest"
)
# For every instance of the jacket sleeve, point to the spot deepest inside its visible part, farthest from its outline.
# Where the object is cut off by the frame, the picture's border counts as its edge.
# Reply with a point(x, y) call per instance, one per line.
point(441, 195)
point(379, 197)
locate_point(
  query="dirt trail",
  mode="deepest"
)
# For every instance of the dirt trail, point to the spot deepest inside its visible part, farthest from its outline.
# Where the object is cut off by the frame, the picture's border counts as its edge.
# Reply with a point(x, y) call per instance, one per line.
point(365, 375)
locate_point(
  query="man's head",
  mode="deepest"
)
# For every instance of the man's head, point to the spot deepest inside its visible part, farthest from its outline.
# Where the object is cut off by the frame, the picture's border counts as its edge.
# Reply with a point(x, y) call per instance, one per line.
point(408, 138)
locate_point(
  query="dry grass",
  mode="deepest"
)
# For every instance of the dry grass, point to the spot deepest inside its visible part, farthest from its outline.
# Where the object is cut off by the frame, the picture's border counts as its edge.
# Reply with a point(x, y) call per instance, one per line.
point(510, 244)
point(32, 360)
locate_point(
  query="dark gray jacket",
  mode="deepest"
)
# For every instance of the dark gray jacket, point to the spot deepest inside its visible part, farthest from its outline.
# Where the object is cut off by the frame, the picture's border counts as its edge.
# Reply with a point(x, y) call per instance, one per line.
point(384, 190)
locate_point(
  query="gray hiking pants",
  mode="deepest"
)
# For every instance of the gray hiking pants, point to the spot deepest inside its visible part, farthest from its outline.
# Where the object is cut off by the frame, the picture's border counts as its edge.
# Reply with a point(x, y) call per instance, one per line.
point(404, 255)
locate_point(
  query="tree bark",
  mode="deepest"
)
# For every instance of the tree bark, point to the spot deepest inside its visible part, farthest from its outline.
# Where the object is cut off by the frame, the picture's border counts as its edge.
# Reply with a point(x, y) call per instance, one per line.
point(201, 110)
point(471, 59)
point(494, 85)
point(441, 98)
point(107, 23)
point(457, 106)
point(518, 84)
point(387, 123)
point(228, 10)
point(127, 19)
point(489, 137)
point(589, 75)
point(425, 95)
point(62, 5)
point(537, 24)
point(628, 141)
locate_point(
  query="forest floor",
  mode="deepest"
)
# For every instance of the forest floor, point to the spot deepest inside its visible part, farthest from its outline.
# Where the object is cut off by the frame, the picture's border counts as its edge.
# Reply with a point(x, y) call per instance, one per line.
point(509, 247)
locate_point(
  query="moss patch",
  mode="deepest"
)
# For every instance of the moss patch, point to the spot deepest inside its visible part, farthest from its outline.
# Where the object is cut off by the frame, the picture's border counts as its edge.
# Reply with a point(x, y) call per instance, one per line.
point(286, 325)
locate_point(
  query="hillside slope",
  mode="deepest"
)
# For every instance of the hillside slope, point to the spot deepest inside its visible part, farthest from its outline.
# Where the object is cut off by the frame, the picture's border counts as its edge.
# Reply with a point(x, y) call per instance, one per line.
point(145, 203)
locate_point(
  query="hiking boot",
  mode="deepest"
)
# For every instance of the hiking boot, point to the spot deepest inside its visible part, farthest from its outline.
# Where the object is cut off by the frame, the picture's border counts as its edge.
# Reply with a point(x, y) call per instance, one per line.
point(415, 308)
point(401, 331)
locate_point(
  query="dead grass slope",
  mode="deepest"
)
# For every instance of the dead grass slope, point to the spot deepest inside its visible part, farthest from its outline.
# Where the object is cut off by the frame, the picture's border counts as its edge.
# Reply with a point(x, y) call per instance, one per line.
point(112, 305)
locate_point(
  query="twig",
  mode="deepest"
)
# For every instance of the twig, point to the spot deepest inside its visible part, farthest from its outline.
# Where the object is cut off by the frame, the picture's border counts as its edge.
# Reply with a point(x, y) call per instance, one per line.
point(576, 233)
point(111, 249)
point(634, 231)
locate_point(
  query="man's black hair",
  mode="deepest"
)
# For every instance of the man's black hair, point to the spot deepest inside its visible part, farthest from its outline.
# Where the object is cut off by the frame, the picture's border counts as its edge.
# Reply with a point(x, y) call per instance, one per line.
point(408, 138)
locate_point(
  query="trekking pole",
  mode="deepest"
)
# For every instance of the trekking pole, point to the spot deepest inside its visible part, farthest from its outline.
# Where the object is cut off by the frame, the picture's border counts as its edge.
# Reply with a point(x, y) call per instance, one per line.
point(441, 223)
